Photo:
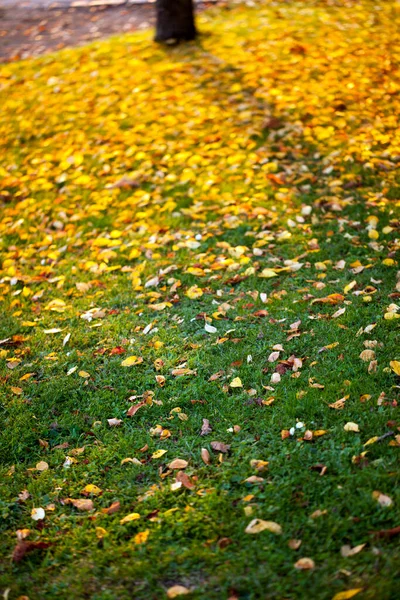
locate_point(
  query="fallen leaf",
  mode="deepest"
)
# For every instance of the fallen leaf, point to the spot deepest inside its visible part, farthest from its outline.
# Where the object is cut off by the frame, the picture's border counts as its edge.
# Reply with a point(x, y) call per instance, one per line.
point(346, 595)
point(81, 504)
point(220, 447)
point(346, 550)
point(158, 453)
point(304, 564)
point(205, 428)
point(131, 517)
point(258, 525)
point(236, 383)
point(351, 427)
point(395, 366)
point(91, 489)
point(42, 466)
point(178, 463)
point(177, 590)
point(114, 422)
point(130, 361)
point(205, 456)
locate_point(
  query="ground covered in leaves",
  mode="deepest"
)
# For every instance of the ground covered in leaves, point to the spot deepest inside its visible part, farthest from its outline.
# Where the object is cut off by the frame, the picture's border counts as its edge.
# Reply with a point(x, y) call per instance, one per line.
point(200, 301)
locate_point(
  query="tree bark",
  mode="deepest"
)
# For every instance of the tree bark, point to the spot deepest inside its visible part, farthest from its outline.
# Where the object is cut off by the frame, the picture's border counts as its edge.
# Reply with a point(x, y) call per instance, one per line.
point(175, 20)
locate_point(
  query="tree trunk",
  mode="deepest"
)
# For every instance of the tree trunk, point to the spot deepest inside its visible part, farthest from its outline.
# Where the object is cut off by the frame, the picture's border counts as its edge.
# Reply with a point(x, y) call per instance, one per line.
point(175, 20)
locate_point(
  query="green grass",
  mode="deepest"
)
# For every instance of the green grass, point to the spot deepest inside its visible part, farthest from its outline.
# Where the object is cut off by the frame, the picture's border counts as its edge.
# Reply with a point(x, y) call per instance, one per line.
point(215, 101)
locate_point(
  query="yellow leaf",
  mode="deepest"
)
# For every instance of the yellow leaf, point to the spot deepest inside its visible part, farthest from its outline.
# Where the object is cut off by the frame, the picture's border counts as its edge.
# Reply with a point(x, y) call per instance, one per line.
point(268, 273)
point(236, 383)
point(42, 466)
point(194, 292)
point(349, 287)
point(351, 427)
point(395, 366)
point(92, 489)
point(131, 361)
point(158, 453)
point(101, 532)
point(129, 518)
point(346, 595)
point(16, 390)
point(371, 440)
point(141, 537)
point(84, 374)
point(304, 564)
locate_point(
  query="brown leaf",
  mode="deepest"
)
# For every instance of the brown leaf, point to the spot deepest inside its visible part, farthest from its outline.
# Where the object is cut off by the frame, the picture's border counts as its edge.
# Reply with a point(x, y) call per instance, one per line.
point(113, 508)
point(185, 480)
point(304, 564)
point(206, 427)
point(389, 533)
point(134, 408)
point(178, 463)
point(23, 547)
point(81, 504)
point(220, 447)
point(205, 456)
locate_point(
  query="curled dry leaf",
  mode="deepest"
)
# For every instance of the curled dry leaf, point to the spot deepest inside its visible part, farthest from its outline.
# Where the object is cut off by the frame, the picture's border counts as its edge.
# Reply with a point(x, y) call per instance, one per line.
point(114, 422)
point(185, 480)
point(339, 404)
point(346, 550)
point(304, 564)
point(294, 544)
point(206, 427)
point(259, 525)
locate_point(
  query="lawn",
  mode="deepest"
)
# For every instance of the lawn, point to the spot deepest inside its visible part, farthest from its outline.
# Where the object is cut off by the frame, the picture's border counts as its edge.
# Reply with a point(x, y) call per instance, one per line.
point(199, 351)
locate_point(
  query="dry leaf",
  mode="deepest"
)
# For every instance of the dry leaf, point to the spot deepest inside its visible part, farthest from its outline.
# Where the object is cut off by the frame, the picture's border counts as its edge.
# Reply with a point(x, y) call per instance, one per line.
point(114, 422)
point(346, 595)
point(304, 564)
point(177, 590)
point(81, 504)
point(346, 550)
point(258, 525)
point(205, 456)
point(205, 428)
point(351, 427)
point(220, 447)
point(178, 463)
